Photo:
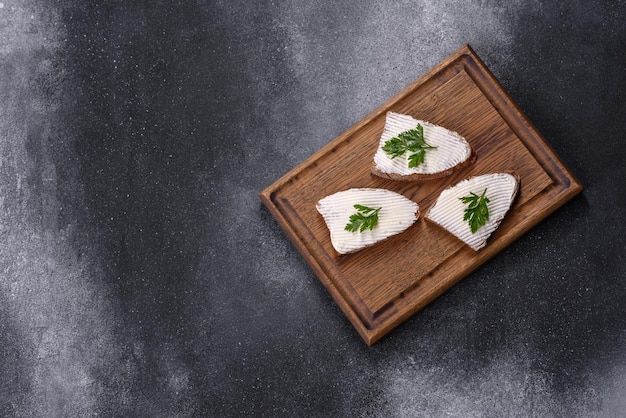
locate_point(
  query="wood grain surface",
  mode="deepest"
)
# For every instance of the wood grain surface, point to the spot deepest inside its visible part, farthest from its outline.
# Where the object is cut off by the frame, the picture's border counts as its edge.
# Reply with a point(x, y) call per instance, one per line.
point(381, 286)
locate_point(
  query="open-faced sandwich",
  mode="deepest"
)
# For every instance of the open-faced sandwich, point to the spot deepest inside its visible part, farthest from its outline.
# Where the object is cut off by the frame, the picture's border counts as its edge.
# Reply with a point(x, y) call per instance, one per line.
point(415, 150)
point(474, 208)
point(360, 217)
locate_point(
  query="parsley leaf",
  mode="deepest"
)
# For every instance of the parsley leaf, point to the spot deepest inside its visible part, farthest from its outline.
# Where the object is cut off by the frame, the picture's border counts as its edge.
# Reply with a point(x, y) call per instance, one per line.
point(416, 159)
point(477, 212)
point(365, 218)
point(412, 141)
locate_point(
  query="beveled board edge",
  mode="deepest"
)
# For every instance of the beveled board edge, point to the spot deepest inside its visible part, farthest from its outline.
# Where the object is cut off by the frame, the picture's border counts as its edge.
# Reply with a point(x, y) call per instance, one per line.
point(507, 108)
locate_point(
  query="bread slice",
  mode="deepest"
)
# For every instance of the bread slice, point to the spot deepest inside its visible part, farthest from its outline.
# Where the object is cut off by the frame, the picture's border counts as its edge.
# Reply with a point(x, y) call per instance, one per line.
point(452, 153)
point(448, 210)
point(396, 214)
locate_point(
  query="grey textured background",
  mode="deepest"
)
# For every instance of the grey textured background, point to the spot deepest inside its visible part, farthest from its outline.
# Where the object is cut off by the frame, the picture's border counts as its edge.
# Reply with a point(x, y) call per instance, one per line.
point(140, 275)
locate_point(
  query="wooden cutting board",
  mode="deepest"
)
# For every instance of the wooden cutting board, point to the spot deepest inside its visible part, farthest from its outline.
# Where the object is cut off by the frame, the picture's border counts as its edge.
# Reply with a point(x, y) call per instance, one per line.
point(381, 286)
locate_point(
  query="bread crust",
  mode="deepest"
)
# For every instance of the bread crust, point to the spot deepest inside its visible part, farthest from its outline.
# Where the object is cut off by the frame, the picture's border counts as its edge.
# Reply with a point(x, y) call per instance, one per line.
point(421, 177)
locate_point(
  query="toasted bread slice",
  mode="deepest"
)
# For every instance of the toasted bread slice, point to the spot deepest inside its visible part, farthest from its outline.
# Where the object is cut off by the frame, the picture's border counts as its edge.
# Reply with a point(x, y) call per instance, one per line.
point(448, 211)
point(452, 151)
point(396, 214)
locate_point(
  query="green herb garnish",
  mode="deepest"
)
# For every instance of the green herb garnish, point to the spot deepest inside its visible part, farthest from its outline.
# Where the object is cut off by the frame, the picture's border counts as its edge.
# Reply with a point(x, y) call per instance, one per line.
point(477, 213)
point(365, 218)
point(412, 141)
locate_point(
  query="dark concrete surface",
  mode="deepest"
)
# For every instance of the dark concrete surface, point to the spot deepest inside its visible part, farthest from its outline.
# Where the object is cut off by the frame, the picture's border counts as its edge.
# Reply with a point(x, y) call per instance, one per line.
point(141, 276)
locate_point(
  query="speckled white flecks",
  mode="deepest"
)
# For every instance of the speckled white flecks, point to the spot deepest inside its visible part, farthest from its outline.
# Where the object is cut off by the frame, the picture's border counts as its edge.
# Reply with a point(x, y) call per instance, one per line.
point(507, 385)
point(372, 57)
point(49, 292)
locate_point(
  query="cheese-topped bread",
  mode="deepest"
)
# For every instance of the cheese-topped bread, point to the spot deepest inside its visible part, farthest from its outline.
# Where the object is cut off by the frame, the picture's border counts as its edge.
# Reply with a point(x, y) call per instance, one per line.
point(474, 208)
point(441, 152)
point(360, 217)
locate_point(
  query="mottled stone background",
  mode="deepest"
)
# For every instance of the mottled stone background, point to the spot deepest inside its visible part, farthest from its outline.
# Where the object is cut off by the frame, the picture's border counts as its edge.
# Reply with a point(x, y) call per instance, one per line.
point(141, 276)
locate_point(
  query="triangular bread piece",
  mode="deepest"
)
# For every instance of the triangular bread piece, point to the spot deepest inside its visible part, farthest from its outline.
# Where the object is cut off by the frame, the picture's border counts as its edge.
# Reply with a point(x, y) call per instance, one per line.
point(396, 214)
point(448, 211)
point(452, 152)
